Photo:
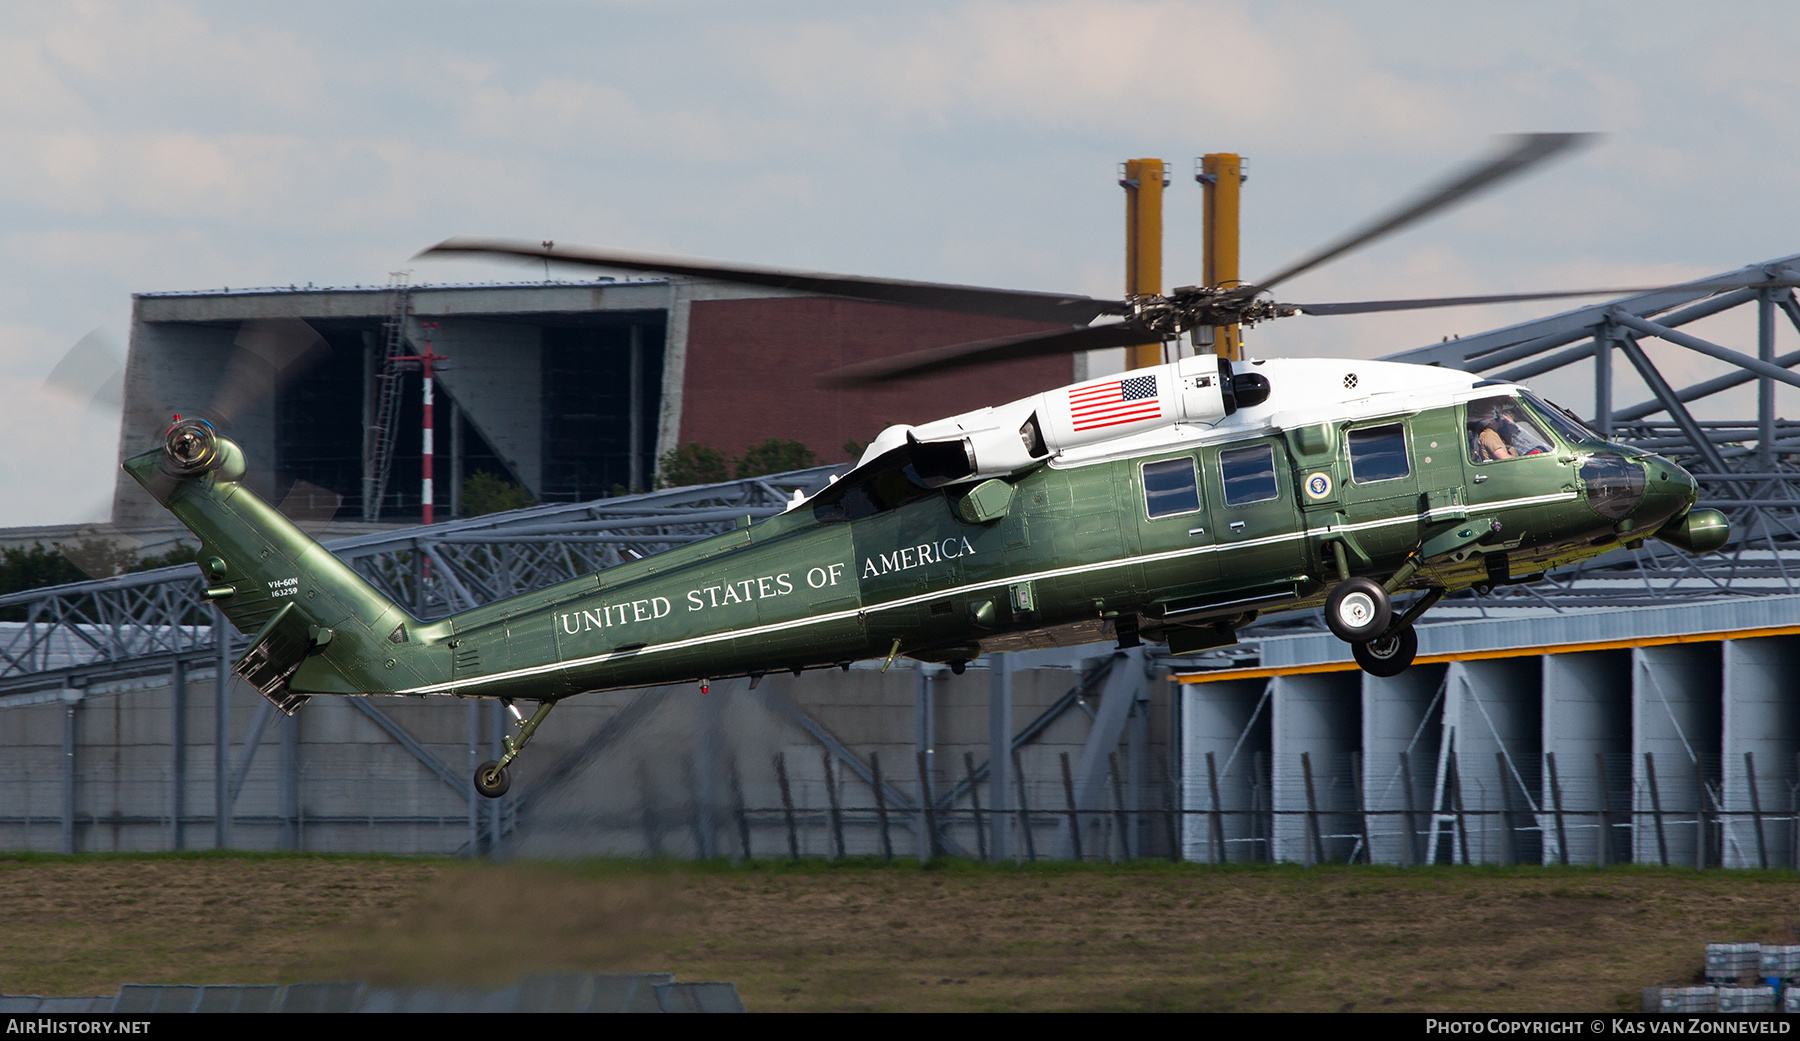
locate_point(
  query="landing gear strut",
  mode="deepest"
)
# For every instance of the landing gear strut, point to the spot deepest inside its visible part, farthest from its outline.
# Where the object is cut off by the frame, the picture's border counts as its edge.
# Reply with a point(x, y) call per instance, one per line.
point(492, 778)
point(1390, 653)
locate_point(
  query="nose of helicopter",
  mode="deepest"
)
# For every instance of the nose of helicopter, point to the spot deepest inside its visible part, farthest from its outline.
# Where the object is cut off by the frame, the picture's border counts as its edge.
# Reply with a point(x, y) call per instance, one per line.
point(1637, 492)
point(1648, 490)
point(1669, 491)
point(1668, 511)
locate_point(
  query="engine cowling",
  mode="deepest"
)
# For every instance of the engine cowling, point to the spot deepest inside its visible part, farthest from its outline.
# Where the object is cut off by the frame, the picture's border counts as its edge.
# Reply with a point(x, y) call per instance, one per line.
point(1200, 390)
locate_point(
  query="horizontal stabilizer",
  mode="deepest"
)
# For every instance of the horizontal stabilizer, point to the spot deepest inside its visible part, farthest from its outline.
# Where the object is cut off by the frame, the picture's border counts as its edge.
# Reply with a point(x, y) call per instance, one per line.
point(275, 655)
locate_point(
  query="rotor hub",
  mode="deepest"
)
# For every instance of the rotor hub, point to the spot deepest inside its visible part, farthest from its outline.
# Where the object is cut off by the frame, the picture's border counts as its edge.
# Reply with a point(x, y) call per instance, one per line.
point(1193, 307)
point(192, 448)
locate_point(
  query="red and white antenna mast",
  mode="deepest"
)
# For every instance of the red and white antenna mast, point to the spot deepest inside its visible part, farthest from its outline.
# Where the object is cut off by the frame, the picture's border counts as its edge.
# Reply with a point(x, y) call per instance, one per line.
point(427, 454)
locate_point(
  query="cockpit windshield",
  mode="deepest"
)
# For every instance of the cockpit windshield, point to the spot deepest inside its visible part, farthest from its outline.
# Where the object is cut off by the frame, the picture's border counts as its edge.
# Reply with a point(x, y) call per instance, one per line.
point(1500, 428)
point(1564, 422)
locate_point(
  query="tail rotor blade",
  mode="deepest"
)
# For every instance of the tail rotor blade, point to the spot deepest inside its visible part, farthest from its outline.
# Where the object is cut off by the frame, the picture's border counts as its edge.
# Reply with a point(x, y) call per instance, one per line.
point(311, 507)
point(91, 372)
point(101, 550)
point(269, 351)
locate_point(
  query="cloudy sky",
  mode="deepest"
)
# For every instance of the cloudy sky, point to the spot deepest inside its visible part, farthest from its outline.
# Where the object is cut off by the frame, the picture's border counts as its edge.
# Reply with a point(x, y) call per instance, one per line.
point(166, 146)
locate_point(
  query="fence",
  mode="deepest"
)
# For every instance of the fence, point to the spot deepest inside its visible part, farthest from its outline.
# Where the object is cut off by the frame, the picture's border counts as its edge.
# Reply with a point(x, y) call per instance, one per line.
point(1545, 813)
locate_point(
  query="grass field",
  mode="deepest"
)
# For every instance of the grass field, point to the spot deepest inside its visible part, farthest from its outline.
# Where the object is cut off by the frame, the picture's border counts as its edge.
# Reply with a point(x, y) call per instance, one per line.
point(893, 936)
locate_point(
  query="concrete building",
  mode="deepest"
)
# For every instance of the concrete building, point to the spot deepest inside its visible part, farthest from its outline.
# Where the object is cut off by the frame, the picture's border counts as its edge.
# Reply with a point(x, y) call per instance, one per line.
point(573, 390)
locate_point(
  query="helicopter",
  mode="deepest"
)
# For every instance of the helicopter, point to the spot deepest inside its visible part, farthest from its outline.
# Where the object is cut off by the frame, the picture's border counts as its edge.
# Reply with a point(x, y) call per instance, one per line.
point(1173, 503)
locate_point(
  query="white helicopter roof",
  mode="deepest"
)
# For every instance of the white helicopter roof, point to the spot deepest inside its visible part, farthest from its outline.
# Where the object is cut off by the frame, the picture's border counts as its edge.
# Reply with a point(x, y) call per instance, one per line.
point(1303, 392)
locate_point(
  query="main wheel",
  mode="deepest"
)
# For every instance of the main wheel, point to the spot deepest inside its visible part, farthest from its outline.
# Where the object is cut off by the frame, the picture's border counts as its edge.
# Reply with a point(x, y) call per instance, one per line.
point(492, 779)
point(1387, 655)
point(1357, 610)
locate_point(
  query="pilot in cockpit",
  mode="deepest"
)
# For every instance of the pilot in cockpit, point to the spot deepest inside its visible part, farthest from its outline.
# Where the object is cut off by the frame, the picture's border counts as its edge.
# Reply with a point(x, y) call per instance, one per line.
point(1499, 429)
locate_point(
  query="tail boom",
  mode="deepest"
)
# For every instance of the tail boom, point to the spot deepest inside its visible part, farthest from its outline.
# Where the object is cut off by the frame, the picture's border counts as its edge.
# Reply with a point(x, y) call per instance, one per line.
point(320, 628)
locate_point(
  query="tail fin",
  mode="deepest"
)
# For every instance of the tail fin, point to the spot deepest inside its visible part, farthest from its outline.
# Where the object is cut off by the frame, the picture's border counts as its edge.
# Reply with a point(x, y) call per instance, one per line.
point(320, 627)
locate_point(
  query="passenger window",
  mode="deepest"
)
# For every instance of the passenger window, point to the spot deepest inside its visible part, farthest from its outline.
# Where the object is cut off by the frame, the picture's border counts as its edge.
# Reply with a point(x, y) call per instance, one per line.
point(1378, 453)
point(1499, 429)
point(1170, 487)
point(1248, 474)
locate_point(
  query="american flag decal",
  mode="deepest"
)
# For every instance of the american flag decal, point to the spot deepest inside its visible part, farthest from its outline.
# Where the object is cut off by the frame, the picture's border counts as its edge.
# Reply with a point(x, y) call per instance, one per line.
point(1127, 400)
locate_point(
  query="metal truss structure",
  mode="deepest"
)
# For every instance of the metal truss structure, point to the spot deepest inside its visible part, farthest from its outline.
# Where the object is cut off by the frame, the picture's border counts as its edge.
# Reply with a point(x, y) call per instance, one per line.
point(155, 629)
point(142, 624)
point(1745, 467)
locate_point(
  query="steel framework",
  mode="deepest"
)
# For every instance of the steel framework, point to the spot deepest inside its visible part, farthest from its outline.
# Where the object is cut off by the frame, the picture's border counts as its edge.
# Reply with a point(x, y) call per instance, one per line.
point(155, 626)
point(67, 636)
point(143, 623)
point(1745, 467)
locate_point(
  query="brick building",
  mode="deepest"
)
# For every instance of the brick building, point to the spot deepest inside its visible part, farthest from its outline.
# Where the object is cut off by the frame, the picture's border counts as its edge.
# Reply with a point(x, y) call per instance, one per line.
point(539, 385)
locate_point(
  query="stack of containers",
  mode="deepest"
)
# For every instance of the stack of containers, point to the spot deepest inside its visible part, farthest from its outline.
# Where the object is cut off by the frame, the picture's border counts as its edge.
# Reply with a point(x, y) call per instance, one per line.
point(1728, 965)
point(1681, 999)
point(1780, 966)
point(1760, 998)
point(1731, 962)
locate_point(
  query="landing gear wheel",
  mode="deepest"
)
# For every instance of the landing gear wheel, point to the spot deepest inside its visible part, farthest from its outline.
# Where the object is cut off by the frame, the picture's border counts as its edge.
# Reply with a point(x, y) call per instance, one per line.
point(492, 779)
point(1357, 610)
point(1387, 655)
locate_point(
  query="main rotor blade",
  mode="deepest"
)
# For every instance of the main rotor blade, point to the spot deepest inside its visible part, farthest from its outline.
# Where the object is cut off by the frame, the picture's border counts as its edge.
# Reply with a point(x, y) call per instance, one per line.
point(1005, 348)
point(1066, 308)
point(1525, 152)
point(1368, 306)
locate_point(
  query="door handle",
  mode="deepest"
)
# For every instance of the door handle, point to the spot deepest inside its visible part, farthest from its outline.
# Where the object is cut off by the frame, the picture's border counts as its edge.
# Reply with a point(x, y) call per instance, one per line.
point(1480, 478)
point(1237, 526)
point(1196, 531)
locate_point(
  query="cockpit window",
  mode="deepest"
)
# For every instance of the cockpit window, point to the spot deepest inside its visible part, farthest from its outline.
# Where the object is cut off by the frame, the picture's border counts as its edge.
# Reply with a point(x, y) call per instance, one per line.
point(1500, 429)
point(1562, 420)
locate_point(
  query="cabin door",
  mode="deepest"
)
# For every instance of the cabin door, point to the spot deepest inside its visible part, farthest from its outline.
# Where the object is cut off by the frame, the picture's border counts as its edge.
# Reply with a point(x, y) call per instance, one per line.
point(1381, 498)
point(1174, 531)
point(1256, 516)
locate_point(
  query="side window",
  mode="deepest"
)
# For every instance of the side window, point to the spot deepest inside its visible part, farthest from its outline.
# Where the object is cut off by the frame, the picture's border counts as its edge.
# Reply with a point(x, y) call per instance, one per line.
point(1170, 487)
point(1248, 474)
point(1378, 453)
point(1499, 429)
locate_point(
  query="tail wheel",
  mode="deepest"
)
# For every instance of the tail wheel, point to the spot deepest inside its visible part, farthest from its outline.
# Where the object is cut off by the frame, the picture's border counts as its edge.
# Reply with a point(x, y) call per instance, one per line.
point(1388, 654)
point(1357, 610)
point(492, 779)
